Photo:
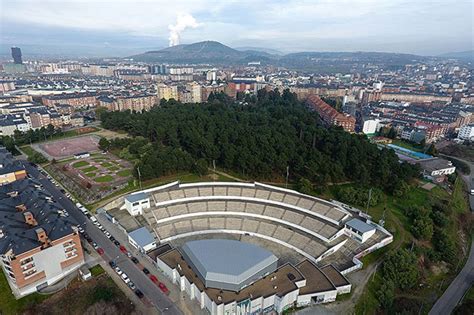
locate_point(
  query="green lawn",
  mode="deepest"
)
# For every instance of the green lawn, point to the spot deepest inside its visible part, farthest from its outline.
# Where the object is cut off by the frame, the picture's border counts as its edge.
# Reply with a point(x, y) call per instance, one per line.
point(104, 179)
point(80, 164)
point(89, 169)
point(408, 145)
point(97, 270)
point(106, 164)
point(124, 173)
point(398, 224)
point(8, 303)
point(91, 175)
point(97, 159)
point(113, 168)
point(27, 150)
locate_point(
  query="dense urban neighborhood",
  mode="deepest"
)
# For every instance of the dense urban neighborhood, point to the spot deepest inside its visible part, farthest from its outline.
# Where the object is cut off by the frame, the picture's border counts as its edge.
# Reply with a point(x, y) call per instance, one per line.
point(200, 179)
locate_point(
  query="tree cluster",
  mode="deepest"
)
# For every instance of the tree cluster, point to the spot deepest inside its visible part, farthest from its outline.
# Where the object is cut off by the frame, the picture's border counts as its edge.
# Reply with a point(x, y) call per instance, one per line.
point(30, 136)
point(259, 139)
point(430, 223)
point(359, 196)
point(399, 271)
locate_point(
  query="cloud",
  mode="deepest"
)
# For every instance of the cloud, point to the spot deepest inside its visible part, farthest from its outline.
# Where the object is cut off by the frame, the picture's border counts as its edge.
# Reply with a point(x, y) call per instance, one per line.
point(280, 24)
point(183, 21)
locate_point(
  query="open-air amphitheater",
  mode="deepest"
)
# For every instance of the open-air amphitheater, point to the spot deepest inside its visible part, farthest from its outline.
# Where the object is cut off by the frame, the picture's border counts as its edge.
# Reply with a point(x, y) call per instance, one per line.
point(310, 226)
point(314, 240)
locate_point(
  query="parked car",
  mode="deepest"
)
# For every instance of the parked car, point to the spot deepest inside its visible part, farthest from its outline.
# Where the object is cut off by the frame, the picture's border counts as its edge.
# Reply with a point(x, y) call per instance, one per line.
point(123, 249)
point(80, 229)
point(118, 271)
point(117, 243)
point(112, 264)
point(100, 251)
point(112, 239)
point(107, 234)
point(125, 278)
point(135, 260)
point(154, 279)
point(139, 293)
point(163, 288)
point(131, 285)
point(129, 255)
point(94, 244)
point(146, 271)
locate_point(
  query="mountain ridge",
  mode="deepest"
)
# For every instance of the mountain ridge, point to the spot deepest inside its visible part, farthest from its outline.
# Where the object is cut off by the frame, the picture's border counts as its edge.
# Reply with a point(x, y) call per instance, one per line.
point(213, 52)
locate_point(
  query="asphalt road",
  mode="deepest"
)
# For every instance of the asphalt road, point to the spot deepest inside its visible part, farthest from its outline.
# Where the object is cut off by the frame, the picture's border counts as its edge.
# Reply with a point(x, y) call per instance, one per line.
point(465, 279)
point(112, 252)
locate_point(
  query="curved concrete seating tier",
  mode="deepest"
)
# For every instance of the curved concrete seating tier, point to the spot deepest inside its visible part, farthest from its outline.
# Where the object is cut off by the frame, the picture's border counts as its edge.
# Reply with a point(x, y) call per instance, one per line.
point(252, 192)
point(256, 210)
point(304, 244)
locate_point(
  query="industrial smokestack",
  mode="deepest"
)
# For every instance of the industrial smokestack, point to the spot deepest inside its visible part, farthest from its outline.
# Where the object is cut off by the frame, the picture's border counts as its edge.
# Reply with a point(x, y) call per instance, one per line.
point(183, 21)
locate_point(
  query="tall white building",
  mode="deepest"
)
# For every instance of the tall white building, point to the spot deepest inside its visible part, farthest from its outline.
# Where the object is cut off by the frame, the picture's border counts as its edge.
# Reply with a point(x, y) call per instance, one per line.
point(466, 132)
point(371, 126)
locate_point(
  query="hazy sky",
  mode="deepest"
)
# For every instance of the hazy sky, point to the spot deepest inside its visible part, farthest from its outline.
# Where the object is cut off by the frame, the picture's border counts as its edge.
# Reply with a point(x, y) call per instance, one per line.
point(414, 26)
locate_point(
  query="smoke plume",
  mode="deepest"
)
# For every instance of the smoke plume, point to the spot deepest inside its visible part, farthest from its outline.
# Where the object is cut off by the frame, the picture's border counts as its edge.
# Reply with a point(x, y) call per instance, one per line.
point(183, 21)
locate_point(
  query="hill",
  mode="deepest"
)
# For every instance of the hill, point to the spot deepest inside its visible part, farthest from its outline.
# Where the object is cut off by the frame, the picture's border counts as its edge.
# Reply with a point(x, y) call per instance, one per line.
point(467, 55)
point(201, 52)
point(261, 49)
point(213, 52)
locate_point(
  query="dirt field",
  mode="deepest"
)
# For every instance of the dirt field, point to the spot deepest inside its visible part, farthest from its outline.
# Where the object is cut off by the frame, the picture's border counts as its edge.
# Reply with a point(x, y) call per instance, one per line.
point(61, 149)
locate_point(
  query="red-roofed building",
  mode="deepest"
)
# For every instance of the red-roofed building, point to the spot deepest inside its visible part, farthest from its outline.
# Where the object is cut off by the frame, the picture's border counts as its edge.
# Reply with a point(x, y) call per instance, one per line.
point(331, 116)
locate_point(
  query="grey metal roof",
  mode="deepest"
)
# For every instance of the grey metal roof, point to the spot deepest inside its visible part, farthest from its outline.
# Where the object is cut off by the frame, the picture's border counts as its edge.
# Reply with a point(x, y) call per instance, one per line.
point(360, 226)
point(228, 263)
point(18, 235)
point(136, 197)
point(142, 237)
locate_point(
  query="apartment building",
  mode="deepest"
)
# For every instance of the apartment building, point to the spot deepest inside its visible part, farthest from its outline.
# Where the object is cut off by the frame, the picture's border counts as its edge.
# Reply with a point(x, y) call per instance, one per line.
point(75, 100)
point(39, 242)
point(331, 116)
point(10, 123)
point(137, 103)
point(466, 132)
point(167, 92)
point(10, 169)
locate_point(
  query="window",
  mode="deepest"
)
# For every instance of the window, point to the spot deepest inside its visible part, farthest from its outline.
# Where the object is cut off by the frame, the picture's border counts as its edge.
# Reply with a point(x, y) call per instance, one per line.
point(68, 243)
point(135, 204)
point(29, 272)
point(26, 260)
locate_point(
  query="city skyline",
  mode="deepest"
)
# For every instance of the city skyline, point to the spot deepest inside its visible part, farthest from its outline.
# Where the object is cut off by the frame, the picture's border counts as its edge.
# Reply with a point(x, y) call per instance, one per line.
point(419, 27)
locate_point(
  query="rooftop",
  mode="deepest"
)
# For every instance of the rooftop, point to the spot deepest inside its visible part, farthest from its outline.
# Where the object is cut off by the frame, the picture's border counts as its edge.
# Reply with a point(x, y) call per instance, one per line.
point(136, 197)
point(435, 164)
point(142, 237)
point(228, 263)
point(360, 225)
point(24, 208)
point(277, 282)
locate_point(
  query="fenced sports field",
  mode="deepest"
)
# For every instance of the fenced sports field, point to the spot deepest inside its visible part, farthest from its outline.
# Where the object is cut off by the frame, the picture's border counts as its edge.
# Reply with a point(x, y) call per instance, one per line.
point(61, 149)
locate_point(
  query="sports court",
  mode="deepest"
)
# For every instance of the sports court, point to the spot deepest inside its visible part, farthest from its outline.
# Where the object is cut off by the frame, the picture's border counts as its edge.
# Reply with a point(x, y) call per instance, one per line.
point(61, 149)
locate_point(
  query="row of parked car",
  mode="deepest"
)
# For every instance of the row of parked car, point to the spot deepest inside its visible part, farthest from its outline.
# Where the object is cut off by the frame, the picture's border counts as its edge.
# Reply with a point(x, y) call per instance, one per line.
point(125, 279)
point(124, 250)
